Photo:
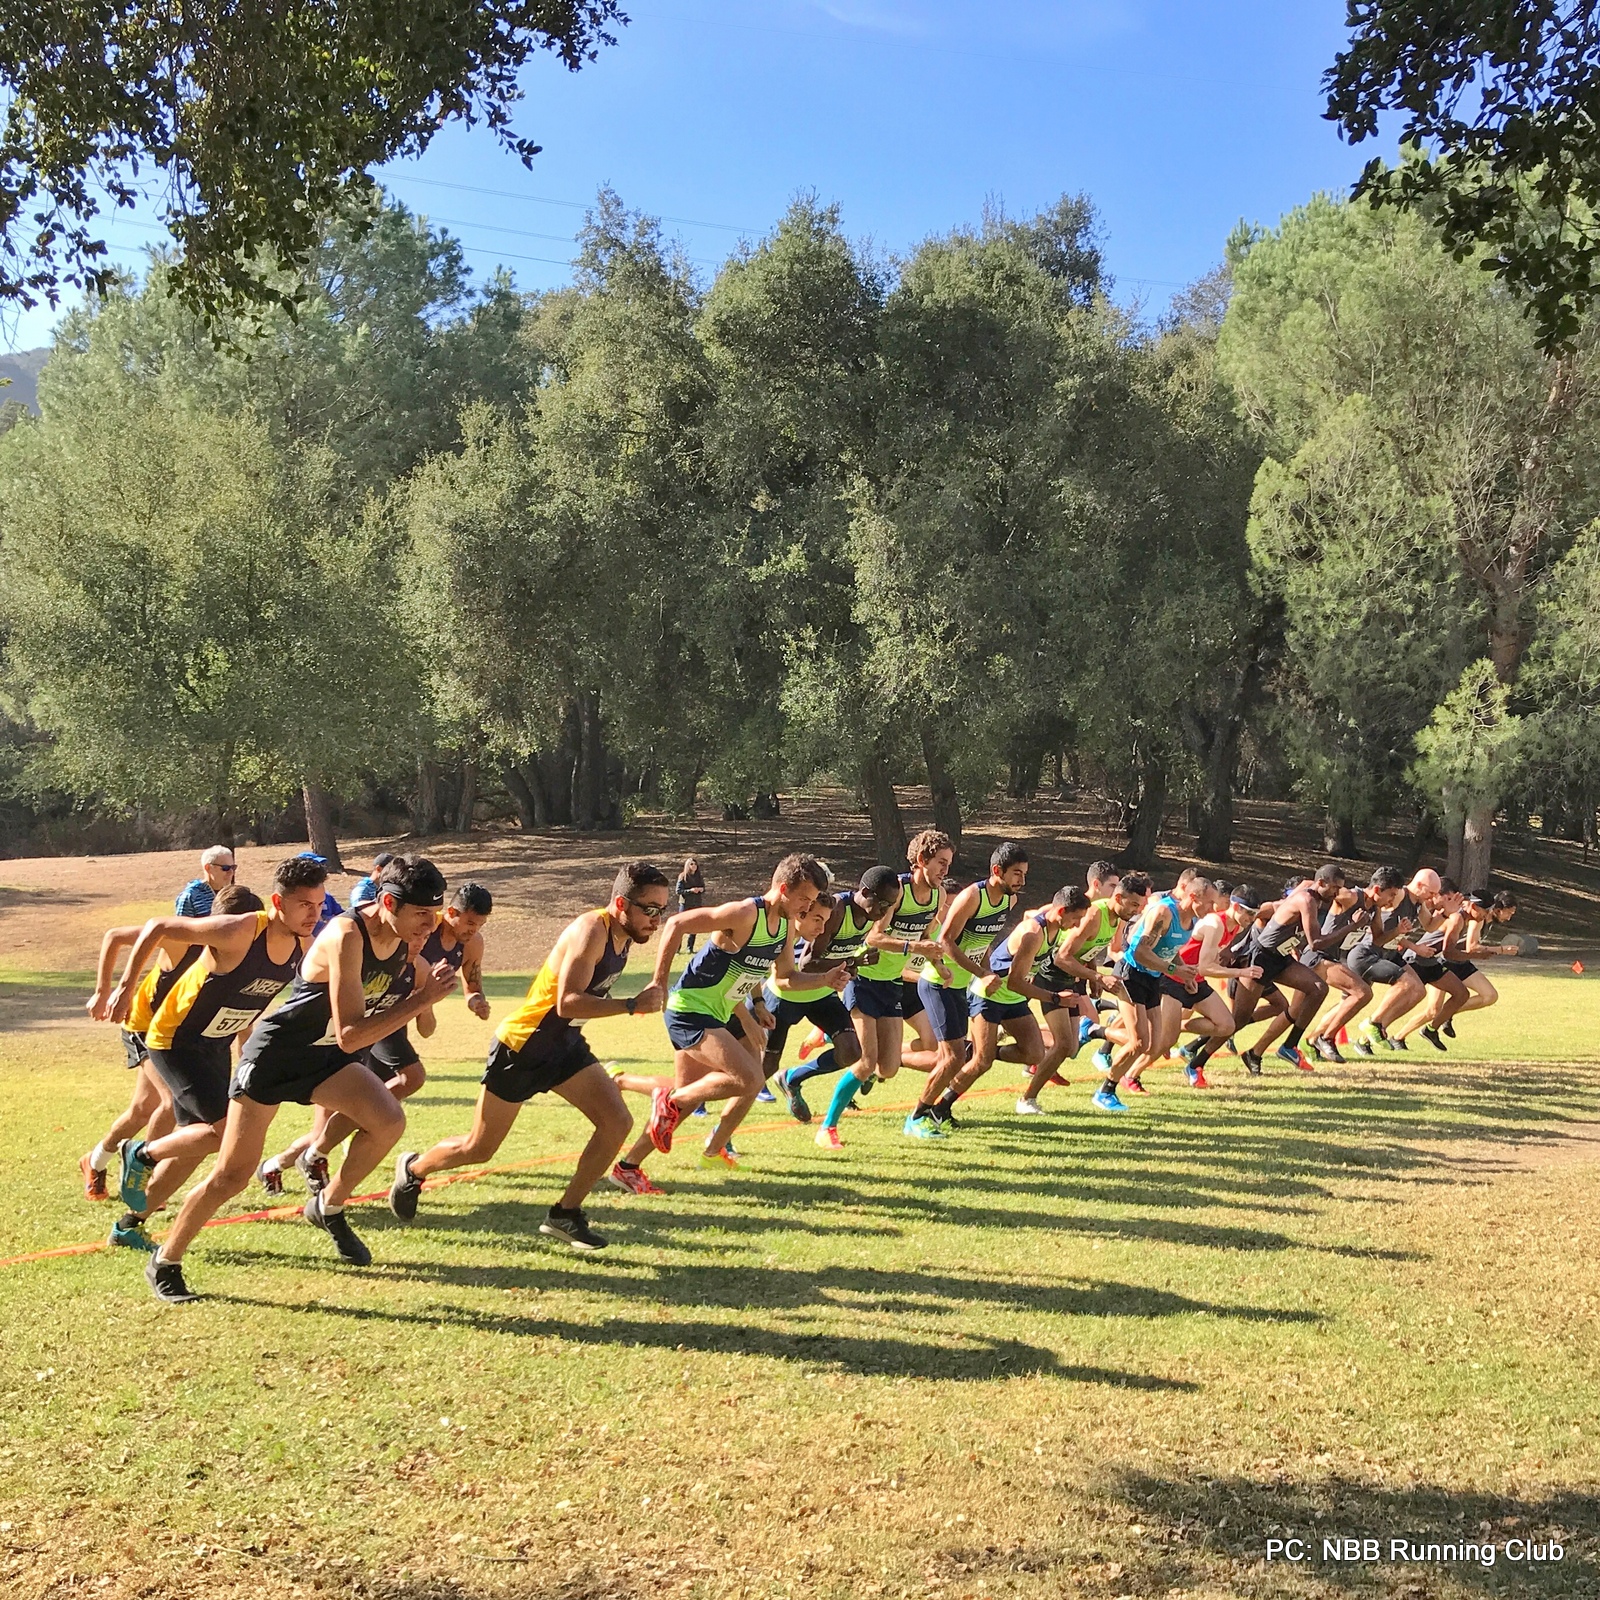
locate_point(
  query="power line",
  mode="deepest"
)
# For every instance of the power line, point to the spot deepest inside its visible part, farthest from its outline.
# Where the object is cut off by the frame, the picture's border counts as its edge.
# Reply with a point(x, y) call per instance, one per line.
point(541, 200)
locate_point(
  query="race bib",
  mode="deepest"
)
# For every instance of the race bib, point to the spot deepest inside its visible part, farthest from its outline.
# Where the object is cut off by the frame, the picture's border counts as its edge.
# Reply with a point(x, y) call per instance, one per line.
point(229, 1021)
point(744, 987)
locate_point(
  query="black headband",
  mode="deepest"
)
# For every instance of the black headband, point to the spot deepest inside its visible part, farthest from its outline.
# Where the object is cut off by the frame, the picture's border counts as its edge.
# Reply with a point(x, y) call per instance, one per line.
point(414, 898)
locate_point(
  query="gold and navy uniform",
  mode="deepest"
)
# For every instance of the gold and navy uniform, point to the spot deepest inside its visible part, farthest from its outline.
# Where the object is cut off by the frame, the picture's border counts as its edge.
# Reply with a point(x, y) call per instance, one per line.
point(535, 1048)
point(151, 992)
point(191, 1032)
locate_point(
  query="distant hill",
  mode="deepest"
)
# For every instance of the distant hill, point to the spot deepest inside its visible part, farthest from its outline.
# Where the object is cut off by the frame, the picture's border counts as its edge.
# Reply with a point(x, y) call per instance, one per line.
point(22, 368)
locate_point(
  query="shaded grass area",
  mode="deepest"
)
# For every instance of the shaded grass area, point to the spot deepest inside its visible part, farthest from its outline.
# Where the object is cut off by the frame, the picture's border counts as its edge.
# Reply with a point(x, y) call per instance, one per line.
point(1073, 1355)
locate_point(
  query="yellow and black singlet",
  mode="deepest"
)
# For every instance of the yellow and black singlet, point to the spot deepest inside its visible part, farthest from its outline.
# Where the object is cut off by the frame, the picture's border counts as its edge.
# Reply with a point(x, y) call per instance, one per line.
point(537, 1013)
point(153, 989)
point(220, 1005)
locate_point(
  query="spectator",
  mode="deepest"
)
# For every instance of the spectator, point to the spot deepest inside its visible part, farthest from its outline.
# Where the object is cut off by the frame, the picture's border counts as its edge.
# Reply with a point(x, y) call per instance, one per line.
point(691, 889)
point(217, 871)
point(367, 888)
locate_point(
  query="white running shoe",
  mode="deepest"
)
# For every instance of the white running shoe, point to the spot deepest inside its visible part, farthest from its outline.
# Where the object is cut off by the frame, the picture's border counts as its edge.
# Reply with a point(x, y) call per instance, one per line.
point(1029, 1108)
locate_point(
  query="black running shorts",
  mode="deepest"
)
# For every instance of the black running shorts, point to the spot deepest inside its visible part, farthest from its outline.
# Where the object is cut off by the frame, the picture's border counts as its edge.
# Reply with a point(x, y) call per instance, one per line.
point(1375, 964)
point(1428, 971)
point(1144, 988)
point(390, 1057)
point(540, 1065)
point(197, 1075)
point(134, 1054)
point(281, 1073)
point(1462, 969)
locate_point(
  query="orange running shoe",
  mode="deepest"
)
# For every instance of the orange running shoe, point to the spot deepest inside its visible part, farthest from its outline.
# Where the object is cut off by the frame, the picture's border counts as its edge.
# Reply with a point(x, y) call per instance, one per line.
point(94, 1181)
point(634, 1179)
point(1132, 1086)
point(665, 1115)
point(828, 1139)
point(814, 1041)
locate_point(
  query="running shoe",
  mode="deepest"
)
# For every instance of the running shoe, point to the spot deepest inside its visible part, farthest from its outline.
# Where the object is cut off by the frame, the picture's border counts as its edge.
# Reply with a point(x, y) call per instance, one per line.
point(135, 1174)
point(766, 1096)
point(798, 1109)
point(828, 1139)
point(924, 1127)
point(405, 1191)
point(1363, 1041)
point(572, 1227)
point(1186, 1052)
point(337, 1227)
point(1102, 1060)
point(1294, 1057)
point(946, 1118)
point(1431, 1034)
point(634, 1179)
point(1391, 1043)
point(130, 1235)
point(1327, 1049)
point(1196, 1076)
point(270, 1175)
point(1085, 1033)
point(665, 1115)
point(94, 1180)
point(722, 1158)
point(1370, 1033)
point(1229, 1048)
point(1252, 1063)
point(1449, 1029)
point(866, 1087)
point(700, 1111)
point(814, 1041)
point(166, 1281)
point(313, 1167)
point(1105, 1098)
point(1133, 1086)
point(1029, 1108)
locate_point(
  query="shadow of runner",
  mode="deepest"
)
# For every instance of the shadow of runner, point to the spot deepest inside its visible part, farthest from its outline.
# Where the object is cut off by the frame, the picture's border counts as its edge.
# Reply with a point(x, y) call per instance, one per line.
point(969, 1360)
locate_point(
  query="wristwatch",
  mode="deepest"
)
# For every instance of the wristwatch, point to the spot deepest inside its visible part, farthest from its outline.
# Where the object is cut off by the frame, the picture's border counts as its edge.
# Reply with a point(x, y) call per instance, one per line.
point(631, 1004)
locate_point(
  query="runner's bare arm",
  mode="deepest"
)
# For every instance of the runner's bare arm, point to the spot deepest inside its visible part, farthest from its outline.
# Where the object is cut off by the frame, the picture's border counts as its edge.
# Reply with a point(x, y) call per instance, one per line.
point(353, 1030)
point(577, 954)
point(737, 918)
point(957, 915)
point(112, 944)
point(472, 977)
point(230, 937)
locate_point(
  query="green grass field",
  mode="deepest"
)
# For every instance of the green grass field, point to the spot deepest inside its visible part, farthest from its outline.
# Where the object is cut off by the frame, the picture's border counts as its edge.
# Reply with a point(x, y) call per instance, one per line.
point(1078, 1355)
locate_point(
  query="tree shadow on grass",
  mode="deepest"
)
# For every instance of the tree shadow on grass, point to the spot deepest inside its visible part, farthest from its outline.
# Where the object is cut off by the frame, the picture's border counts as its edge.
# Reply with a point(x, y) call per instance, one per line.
point(976, 1359)
point(1211, 1522)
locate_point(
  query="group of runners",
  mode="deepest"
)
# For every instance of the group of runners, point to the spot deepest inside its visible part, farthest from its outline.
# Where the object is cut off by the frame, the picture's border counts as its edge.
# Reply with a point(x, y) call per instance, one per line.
point(897, 971)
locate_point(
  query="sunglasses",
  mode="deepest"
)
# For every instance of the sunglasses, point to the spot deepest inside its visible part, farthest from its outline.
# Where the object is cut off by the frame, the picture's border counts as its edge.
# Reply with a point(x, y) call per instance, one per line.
point(655, 913)
point(225, 866)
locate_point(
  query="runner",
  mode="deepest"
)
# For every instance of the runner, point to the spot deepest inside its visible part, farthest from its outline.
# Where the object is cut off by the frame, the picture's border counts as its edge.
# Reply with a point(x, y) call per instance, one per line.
point(1465, 942)
point(1215, 951)
point(973, 922)
point(1347, 917)
point(541, 1048)
point(458, 942)
point(821, 1006)
point(1022, 966)
point(1130, 1033)
point(842, 942)
point(1393, 913)
point(357, 984)
point(1274, 947)
point(245, 962)
point(875, 994)
point(151, 1106)
point(716, 1053)
point(1151, 954)
point(1441, 915)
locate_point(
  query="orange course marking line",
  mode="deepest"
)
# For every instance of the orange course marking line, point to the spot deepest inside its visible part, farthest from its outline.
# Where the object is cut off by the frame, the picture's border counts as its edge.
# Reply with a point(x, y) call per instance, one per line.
point(289, 1213)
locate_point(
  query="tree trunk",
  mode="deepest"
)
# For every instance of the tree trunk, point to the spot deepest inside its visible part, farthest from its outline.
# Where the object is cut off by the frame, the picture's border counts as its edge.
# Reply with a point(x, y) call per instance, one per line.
point(766, 806)
point(888, 826)
point(946, 802)
point(1455, 836)
point(1477, 843)
point(468, 802)
point(319, 824)
point(1339, 838)
point(522, 796)
point(589, 808)
point(427, 815)
point(1145, 829)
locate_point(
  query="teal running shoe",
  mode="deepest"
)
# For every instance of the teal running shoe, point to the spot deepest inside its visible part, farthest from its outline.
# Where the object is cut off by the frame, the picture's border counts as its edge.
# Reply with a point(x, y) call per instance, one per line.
point(924, 1127)
point(132, 1238)
point(1105, 1098)
point(135, 1174)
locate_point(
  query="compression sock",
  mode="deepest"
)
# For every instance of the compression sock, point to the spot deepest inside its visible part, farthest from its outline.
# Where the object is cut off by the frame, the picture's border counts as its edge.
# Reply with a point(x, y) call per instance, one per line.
point(820, 1067)
point(100, 1156)
point(1294, 1036)
point(844, 1095)
point(1208, 1048)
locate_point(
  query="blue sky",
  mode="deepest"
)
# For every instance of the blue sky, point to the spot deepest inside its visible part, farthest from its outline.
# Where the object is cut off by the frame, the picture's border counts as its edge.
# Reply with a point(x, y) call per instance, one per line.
point(1176, 119)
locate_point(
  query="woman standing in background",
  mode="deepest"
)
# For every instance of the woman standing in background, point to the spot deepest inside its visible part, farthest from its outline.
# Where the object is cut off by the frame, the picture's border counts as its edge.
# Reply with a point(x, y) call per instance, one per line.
point(691, 890)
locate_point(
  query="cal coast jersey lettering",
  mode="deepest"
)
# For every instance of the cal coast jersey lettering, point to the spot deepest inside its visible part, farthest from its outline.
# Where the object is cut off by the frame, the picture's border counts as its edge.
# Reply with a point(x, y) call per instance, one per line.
point(220, 1005)
point(909, 922)
point(986, 921)
point(716, 981)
